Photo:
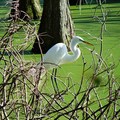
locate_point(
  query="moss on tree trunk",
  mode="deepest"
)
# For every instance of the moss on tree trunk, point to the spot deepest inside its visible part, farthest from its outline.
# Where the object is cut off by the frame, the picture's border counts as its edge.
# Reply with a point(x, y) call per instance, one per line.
point(27, 9)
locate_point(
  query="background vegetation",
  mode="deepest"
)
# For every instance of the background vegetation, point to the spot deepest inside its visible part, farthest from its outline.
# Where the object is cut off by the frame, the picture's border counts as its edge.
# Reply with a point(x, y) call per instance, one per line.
point(87, 89)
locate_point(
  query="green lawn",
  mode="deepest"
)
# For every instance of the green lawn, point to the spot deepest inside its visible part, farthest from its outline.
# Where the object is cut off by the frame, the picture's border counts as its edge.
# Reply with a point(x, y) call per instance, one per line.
point(88, 28)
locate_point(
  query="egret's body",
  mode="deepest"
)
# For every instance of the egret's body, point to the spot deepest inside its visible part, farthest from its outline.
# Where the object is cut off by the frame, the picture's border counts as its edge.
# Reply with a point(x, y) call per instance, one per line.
point(58, 54)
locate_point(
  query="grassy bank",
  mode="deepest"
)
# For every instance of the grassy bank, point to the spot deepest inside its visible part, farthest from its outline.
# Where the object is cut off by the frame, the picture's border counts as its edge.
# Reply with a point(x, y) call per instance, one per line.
point(89, 87)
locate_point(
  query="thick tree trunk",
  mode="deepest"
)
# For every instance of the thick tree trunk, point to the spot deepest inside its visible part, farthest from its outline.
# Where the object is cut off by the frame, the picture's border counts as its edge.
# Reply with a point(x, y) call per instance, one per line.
point(27, 9)
point(56, 23)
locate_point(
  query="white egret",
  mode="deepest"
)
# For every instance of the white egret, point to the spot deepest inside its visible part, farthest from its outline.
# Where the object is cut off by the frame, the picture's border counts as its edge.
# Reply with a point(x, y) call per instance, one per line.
point(58, 54)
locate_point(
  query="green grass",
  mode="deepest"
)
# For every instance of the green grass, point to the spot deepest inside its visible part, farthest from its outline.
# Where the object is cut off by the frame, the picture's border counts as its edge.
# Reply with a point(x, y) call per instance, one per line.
point(88, 28)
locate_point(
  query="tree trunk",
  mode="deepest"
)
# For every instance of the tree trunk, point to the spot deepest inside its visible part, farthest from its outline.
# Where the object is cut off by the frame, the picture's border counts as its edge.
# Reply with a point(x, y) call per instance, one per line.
point(56, 23)
point(27, 9)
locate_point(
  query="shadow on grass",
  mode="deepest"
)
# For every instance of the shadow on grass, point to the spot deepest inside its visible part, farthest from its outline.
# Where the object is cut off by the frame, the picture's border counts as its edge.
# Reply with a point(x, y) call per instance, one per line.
point(25, 52)
point(90, 19)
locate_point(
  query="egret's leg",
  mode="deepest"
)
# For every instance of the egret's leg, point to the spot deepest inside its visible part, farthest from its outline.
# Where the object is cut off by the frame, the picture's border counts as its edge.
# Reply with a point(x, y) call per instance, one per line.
point(54, 80)
point(56, 84)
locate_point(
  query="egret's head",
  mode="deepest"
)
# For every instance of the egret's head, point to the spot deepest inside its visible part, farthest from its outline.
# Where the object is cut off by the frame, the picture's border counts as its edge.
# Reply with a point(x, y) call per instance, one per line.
point(78, 39)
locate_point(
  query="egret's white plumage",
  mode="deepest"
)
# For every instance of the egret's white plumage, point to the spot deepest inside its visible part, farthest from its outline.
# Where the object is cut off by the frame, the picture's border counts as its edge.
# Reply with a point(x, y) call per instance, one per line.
point(58, 54)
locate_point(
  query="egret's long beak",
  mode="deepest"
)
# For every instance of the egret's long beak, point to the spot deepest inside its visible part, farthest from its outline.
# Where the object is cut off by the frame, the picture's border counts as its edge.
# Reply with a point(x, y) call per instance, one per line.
point(87, 43)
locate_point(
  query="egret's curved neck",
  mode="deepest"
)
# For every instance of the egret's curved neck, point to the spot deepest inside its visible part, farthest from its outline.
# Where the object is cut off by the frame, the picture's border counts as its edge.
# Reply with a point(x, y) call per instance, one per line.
point(75, 50)
point(75, 53)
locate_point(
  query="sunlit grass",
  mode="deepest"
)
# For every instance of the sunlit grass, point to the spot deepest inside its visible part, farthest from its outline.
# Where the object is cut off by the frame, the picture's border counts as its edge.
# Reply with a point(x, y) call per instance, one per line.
point(88, 28)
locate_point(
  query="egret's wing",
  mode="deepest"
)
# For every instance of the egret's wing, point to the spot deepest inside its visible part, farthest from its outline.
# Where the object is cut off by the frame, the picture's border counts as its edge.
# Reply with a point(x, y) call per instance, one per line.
point(54, 55)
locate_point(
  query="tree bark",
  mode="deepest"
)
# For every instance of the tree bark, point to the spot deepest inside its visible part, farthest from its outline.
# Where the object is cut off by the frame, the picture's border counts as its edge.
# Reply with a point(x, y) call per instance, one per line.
point(56, 23)
point(27, 9)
